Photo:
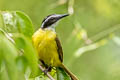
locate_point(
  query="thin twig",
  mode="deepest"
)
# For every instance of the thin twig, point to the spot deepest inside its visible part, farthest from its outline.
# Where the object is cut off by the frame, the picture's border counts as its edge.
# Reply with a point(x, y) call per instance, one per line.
point(105, 33)
point(70, 6)
point(48, 75)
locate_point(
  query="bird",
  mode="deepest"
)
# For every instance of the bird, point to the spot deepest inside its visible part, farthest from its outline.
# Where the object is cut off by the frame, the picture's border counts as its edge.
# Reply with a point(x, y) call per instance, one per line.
point(48, 45)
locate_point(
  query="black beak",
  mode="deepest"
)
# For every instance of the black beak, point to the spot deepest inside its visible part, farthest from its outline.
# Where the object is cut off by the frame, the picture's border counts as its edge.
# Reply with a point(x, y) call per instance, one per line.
point(62, 16)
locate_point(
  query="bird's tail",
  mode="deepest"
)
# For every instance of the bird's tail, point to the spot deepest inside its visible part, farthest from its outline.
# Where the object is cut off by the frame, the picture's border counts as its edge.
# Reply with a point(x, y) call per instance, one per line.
point(73, 77)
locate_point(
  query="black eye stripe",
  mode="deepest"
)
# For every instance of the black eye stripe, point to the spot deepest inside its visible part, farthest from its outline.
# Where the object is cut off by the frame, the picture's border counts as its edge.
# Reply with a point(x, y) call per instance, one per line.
point(49, 22)
point(52, 19)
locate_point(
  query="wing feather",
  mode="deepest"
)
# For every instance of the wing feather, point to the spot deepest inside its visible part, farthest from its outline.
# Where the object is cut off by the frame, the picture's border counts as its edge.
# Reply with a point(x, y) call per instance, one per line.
point(59, 49)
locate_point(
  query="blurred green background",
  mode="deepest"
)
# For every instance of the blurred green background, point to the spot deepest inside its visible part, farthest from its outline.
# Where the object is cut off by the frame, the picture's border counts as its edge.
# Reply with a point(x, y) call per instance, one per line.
point(90, 36)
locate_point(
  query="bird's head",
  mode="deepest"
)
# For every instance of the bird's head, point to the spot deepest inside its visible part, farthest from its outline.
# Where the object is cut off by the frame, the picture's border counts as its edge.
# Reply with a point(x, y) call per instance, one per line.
point(51, 20)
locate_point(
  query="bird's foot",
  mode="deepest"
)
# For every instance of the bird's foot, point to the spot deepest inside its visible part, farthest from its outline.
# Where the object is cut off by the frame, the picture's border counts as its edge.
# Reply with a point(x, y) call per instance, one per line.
point(47, 70)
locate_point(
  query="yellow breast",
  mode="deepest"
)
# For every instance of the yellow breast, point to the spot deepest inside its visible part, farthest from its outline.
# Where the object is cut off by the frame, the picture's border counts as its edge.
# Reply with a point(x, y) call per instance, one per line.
point(45, 44)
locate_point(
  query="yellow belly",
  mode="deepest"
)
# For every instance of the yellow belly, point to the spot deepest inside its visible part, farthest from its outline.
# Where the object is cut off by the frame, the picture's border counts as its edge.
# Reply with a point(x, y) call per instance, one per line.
point(45, 44)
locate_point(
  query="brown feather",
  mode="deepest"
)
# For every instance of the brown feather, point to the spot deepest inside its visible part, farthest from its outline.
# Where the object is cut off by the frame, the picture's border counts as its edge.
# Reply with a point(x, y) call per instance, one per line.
point(59, 49)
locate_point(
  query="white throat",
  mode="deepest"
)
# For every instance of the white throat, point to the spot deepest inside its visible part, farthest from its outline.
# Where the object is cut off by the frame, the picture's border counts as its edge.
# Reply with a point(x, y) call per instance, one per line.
point(52, 27)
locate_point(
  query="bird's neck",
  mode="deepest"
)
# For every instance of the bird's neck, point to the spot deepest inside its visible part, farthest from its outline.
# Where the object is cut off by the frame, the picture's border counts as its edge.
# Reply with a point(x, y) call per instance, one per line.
point(51, 29)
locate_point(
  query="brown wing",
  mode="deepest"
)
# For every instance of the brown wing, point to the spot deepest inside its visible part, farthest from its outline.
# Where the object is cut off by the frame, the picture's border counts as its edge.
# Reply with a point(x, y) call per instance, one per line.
point(59, 49)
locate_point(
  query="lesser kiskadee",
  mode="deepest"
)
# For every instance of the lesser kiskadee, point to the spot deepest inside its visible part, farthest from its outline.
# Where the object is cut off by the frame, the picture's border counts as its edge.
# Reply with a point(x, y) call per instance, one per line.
point(48, 46)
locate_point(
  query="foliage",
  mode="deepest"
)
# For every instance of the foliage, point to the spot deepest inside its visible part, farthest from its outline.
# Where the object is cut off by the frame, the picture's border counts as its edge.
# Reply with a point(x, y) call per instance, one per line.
point(18, 58)
point(90, 36)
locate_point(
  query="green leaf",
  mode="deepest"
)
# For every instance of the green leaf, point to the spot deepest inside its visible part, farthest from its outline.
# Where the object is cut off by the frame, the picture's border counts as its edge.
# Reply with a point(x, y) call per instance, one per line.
point(16, 22)
point(3, 73)
point(62, 75)
point(25, 46)
point(9, 21)
point(1, 21)
point(24, 24)
point(9, 54)
point(22, 63)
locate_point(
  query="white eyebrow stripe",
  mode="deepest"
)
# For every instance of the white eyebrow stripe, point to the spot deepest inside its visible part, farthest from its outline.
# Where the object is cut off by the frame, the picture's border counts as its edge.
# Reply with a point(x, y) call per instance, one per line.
point(55, 15)
point(46, 20)
point(51, 17)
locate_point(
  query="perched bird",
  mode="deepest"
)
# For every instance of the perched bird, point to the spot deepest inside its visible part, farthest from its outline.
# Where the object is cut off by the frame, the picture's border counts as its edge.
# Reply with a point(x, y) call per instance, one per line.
point(48, 46)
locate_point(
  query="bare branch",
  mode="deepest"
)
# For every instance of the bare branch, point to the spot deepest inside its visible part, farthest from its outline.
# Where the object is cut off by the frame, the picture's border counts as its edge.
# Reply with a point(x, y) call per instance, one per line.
point(48, 75)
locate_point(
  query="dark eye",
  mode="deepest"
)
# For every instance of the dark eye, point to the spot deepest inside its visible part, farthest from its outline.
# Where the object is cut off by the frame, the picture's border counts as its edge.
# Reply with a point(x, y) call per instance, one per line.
point(52, 20)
